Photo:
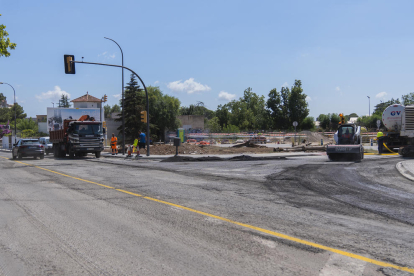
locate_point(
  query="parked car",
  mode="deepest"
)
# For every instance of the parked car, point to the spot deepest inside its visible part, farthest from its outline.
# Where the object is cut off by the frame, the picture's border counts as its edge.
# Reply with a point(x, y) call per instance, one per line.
point(28, 147)
point(47, 144)
point(239, 141)
point(225, 141)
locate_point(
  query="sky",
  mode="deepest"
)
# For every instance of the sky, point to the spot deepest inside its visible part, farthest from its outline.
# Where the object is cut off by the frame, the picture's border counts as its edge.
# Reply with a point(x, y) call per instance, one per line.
point(211, 51)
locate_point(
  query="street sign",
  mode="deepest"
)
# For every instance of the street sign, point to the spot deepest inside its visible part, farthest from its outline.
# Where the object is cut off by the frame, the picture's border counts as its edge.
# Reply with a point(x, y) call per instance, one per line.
point(295, 124)
point(378, 123)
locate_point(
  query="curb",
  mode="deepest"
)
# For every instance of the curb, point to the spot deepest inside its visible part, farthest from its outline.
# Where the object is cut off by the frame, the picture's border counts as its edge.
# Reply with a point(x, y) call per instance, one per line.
point(404, 172)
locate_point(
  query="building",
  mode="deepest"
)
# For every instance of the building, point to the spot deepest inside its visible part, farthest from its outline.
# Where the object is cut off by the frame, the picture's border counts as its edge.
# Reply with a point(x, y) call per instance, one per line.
point(192, 121)
point(87, 101)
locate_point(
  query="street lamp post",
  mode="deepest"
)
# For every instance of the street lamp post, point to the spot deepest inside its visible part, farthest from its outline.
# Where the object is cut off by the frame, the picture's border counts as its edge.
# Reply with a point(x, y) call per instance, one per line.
point(369, 105)
point(123, 98)
point(15, 121)
point(53, 105)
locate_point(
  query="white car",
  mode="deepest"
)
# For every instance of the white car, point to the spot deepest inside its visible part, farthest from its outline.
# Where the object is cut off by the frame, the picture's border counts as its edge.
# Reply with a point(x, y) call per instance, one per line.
point(46, 143)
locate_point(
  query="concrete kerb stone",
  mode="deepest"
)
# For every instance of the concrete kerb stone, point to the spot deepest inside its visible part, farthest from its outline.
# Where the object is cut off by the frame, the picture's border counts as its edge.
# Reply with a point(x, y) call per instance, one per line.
point(406, 169)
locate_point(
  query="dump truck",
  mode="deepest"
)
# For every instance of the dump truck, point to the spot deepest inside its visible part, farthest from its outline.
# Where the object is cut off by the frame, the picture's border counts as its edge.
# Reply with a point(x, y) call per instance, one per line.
point(348, 143)
point(78, 138)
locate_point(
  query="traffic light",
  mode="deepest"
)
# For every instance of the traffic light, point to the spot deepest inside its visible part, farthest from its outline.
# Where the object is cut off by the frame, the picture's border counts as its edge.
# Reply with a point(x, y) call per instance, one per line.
point(342, 121)
point(69, 64)
point(105, 98)
point(143, 116)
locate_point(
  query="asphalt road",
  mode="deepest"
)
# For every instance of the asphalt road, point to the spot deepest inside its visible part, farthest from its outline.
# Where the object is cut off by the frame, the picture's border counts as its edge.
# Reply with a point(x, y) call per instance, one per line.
point(298, 216)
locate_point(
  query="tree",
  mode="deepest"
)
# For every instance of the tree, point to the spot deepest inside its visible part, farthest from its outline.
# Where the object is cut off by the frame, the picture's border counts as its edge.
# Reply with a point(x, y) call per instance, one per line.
point(285, 122)
point(197, 109)
point(132, 105)
point(223, 115)
point(214, 125)
point(379, 108)
point(408, 99)
point(27, 124)
point(115, 108)
point(275, 107)
point(107, 111)
point(5, 43)
point(163, 111)
point(298, 107)
point(64, 101)
point(324, 121)
point(308, 124)
point(7, 114)
point(2, 97)
point(231, 129)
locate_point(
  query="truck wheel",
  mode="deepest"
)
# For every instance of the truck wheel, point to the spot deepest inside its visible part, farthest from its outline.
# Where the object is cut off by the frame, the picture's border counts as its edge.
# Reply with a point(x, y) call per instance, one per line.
point(13, 156)
point(19, 155)
point(98, 154)
point(332, 157)
point(42, 156)
point(71, 153)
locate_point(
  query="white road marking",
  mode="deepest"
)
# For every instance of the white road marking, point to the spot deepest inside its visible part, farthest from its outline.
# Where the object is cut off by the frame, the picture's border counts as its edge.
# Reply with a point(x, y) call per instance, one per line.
point(340, 265)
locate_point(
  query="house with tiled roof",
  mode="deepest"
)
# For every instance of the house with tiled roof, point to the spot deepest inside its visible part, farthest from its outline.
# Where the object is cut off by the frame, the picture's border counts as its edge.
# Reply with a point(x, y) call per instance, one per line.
point(87, 101)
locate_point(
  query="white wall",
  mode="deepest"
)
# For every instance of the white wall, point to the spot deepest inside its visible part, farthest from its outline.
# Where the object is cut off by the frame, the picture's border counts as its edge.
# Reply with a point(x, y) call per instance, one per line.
point(8, 141)
point(86, 105)
point(42, 127)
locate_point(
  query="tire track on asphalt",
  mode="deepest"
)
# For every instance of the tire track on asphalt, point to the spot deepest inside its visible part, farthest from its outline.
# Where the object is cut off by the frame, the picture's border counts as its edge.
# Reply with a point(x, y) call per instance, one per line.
point(243, 225)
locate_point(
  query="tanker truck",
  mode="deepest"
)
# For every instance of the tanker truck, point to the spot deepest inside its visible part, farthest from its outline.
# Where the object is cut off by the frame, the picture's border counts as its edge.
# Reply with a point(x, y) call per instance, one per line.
point(407, 131)
point(392, 120)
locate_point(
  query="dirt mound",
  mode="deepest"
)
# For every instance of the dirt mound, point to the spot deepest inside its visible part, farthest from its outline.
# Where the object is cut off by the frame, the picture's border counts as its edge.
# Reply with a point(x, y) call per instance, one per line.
point(315, 137)
point(196, 149)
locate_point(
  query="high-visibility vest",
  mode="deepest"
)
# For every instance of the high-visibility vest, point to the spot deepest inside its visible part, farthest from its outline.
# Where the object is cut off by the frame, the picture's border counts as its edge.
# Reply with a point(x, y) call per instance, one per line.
point(380, 134)
point(135, 142)
point(114, 140)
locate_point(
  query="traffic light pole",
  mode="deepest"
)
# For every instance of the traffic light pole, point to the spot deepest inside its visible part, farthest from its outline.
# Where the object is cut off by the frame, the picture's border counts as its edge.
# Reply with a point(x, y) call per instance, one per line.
point(145, 88)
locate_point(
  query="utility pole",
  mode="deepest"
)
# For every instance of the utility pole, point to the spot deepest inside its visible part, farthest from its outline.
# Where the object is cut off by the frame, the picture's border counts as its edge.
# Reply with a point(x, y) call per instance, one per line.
point(369, 106)
point(123, 98)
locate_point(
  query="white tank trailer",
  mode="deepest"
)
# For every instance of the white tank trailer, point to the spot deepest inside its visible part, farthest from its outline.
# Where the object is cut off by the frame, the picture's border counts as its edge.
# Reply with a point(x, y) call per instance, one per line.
point(407, 131)
point(392, 120)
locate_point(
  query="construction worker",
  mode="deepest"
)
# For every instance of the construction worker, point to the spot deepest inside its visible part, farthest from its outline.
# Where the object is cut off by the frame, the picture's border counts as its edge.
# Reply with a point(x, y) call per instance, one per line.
point(141, 142)
point(114, 141)
point(380, 141)
point(135, 145)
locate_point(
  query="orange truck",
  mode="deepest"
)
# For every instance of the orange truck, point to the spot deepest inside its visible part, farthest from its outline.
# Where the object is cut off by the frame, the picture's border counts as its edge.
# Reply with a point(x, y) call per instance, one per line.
point(78, 138)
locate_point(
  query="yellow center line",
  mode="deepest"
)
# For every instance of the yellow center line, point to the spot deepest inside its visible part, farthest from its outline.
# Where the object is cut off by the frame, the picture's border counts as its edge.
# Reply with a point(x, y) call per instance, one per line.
point(269, 232)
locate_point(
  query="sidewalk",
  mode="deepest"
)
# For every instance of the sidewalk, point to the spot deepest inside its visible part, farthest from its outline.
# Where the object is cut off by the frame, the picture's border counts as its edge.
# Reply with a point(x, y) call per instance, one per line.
point(406, 168)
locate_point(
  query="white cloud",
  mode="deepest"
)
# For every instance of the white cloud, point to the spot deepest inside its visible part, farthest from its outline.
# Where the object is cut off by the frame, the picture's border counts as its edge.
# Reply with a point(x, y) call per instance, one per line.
point(189, 86)
point(308, 98)
point(381, 95)
point(285, 84)
point(224, 96)
point(117, 96)
point(53, 95)
point(337, 88)
point(105, 55)
point(156, 82)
